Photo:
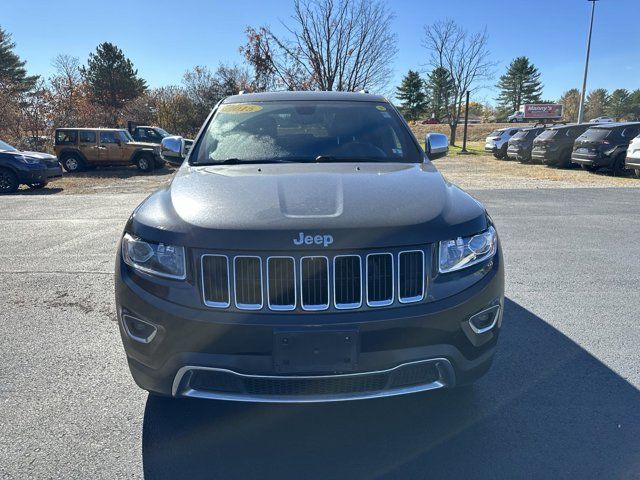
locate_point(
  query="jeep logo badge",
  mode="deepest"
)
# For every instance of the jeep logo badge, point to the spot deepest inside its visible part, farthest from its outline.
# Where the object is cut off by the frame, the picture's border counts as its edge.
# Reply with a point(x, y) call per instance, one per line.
point(324, 240)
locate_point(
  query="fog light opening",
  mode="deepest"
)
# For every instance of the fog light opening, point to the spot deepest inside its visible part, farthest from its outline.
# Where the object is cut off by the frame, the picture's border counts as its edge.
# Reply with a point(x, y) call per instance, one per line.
point(138, 330)
point(485, 320)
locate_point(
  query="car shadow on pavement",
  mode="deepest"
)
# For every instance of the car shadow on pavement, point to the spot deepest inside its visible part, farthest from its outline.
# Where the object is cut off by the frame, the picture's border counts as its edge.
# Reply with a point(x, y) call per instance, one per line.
point(39, 191)
point(547, 409)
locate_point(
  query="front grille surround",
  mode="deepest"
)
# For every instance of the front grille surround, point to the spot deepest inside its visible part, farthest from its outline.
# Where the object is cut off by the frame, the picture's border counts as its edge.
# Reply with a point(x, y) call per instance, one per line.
point(247, 305)
point(386, 300)
point(314, 307)
point(291, 270)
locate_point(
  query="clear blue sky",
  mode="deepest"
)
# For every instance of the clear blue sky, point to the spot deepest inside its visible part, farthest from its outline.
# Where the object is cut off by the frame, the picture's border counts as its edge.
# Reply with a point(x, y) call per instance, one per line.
point(164, 38)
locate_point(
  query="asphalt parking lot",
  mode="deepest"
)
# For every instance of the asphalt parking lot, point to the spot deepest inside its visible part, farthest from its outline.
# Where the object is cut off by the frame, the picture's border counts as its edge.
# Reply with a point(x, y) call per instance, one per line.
point(561, 400)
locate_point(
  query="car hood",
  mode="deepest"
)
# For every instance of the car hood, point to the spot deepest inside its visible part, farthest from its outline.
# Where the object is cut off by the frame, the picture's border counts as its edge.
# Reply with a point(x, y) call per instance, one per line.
point(267, 206)
point(40, 155)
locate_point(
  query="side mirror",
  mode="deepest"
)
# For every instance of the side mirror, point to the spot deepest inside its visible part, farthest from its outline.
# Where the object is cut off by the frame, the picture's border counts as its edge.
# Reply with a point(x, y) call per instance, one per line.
point(172, 149)
point(436, 145)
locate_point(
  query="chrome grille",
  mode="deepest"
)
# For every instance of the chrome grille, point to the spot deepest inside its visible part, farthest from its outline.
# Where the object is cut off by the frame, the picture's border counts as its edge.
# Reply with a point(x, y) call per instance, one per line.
point(314, 275)
point(347, 281)
point(411, 276)
point(379, 279)
point(314, 283)
point(215, 281)
point(248, 282)
point(281, 283)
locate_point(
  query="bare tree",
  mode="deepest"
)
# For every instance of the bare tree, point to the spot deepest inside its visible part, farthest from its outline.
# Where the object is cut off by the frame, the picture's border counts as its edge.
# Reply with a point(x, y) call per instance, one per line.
point(465, 56)
point(331, 45)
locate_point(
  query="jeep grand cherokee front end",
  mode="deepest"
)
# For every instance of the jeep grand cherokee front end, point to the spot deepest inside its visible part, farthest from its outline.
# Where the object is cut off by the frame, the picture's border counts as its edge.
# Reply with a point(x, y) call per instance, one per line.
point(307, 251)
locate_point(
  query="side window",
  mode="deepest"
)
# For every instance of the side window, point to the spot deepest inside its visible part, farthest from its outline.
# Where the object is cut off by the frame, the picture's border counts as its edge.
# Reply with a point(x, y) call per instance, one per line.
point(141, 133)
point(107, 137)
point(512, 132)
point(66, 137)
point(152, 133)
point(87, 136)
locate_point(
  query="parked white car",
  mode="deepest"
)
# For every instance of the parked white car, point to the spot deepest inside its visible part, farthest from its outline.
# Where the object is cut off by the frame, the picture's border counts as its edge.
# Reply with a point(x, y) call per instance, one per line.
point(602, 120)
point(633, 156)
point(497, 141)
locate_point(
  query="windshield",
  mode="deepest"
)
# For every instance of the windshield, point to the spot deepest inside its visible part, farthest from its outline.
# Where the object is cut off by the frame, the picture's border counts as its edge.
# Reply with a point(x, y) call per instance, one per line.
point(546, 135)
point(595, 134)
point(7, 147)
point(520, 135)
point(303, 131)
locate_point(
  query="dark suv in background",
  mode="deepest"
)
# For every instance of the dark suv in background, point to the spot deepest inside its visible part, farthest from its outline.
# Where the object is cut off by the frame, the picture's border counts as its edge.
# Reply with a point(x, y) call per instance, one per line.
point(605, 145)
point(519, 146)
point(554, 145)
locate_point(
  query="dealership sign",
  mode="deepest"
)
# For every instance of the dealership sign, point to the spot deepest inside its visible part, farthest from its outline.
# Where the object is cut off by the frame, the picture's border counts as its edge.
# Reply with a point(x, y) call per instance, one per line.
point(543, 110)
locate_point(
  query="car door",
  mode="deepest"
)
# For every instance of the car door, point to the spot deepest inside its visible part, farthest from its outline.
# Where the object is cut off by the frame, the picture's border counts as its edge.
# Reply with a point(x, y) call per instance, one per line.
point(110, 148)
point(88, 145)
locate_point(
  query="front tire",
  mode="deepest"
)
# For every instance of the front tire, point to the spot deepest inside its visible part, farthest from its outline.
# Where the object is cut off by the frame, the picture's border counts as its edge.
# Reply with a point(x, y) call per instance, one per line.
point(8, 181)
point(73, 164)
point(144, 163)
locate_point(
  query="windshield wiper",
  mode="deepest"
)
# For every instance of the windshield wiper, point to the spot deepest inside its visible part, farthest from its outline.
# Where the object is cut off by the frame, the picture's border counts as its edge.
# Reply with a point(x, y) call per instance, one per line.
point(240, 161)
point(331, 159)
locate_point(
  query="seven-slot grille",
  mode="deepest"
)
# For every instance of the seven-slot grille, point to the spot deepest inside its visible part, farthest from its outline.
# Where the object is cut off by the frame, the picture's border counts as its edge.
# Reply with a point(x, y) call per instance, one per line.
point(313, 283)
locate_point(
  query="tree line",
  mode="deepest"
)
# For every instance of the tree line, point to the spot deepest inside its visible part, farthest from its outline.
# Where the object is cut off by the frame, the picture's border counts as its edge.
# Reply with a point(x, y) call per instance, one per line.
point(343, 45)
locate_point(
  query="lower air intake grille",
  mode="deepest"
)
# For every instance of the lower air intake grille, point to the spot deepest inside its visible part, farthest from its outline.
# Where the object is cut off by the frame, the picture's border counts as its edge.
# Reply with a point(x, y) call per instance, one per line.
point(228, 382)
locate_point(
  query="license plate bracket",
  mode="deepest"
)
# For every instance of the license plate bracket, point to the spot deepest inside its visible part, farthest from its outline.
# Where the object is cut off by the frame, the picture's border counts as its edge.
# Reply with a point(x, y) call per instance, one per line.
point(298, 351)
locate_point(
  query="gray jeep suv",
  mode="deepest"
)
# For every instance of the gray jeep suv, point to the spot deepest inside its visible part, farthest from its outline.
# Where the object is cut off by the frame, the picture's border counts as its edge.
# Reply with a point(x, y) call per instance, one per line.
point(307, 250)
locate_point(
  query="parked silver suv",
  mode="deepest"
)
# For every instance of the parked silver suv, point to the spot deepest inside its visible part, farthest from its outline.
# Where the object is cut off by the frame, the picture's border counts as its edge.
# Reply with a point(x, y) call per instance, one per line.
point(497, 140)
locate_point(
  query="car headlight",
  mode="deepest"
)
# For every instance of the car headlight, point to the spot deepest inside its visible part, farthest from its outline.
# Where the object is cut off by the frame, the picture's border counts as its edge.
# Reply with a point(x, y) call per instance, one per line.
point(466, 251)
point(154, 258)
point(27, 160)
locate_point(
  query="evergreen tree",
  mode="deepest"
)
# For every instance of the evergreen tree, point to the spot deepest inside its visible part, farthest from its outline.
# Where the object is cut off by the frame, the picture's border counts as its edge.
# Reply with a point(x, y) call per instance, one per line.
point(570, 101)
point(439, 87)
point(596, 103)
point(112, 79)
point(412, 96)
point(634, 104)
point(618, 105)
point(12, 71)
point(520, 85)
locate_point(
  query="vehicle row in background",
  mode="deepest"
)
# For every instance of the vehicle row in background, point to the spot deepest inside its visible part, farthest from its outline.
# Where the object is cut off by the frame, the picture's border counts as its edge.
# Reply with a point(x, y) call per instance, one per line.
point(591, 145)
point(25, 168)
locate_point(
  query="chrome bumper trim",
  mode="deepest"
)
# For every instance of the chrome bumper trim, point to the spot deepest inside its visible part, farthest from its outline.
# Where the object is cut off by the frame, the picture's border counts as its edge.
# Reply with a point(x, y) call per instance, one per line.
point(446, 378)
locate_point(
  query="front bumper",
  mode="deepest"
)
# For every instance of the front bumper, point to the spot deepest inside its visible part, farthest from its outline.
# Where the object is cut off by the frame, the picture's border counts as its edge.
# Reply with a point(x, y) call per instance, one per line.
point(230, 355)
point(518, 153)
point(490, 147)
point(38, 174)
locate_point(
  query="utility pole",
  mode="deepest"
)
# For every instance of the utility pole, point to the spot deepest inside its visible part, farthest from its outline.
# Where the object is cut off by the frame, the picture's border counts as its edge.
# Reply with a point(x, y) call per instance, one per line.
point(586, 64)
point(466, 121)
